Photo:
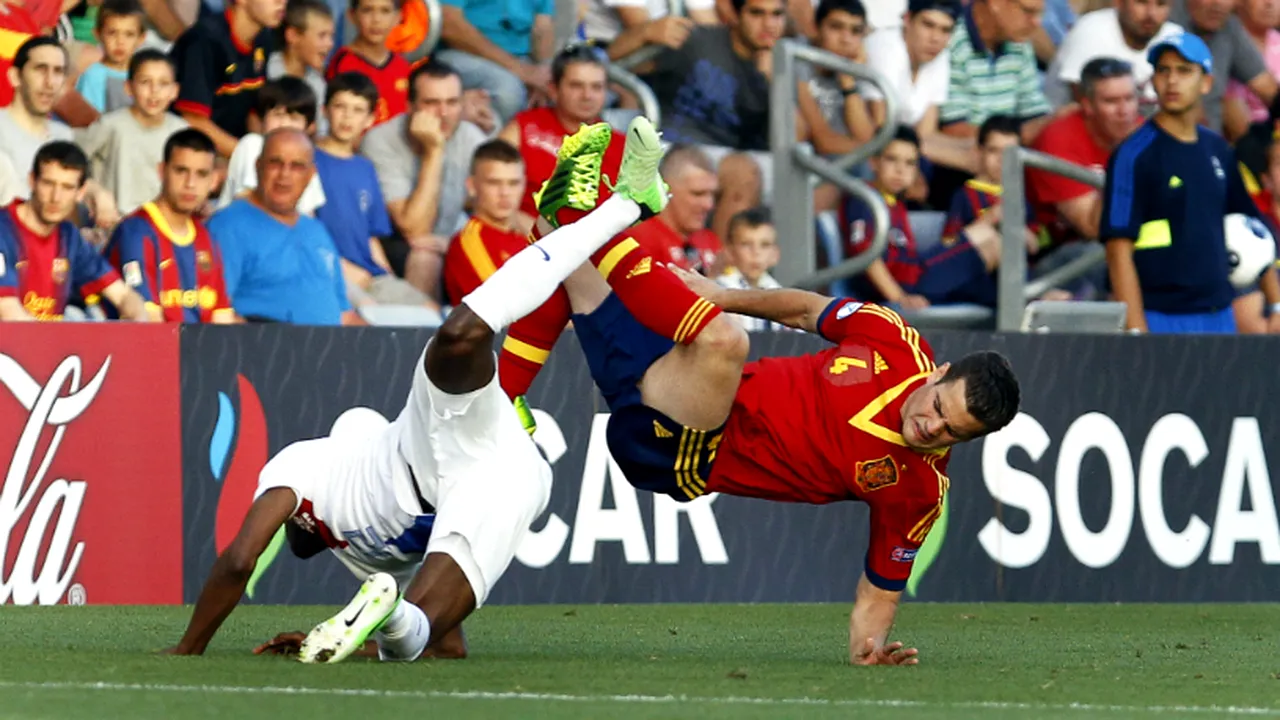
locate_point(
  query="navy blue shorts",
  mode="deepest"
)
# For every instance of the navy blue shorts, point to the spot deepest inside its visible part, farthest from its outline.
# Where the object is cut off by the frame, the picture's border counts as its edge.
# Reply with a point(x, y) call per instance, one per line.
point(655, 452)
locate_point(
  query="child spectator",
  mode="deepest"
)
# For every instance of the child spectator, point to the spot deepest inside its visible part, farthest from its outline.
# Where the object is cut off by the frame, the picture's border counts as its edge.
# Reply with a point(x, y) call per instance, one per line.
point(752, 251)
point(126, 146)
point(979, 200)
point(308, 40)
point(354, 212)
point(120, 31)
point(905, 277)
point(368, 54)
point(284, 103)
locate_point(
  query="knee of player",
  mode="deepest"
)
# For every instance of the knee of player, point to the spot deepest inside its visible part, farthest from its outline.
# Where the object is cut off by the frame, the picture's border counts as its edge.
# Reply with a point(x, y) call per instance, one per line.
point(725, 338)
point(463, 332)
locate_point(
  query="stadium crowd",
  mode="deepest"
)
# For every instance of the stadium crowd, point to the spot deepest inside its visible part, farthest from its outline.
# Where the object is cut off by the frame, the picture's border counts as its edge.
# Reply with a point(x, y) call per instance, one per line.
point(202, 161)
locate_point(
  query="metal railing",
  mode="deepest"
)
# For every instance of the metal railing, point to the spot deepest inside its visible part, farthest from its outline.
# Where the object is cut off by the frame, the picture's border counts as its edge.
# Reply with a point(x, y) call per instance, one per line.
point(1012, 285)
point(648, 100)
point(435, 26)
point(795, 165)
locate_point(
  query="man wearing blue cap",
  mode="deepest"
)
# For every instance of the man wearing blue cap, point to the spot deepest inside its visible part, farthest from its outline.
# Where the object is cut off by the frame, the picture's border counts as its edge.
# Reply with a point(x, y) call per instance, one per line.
point(1169, 185)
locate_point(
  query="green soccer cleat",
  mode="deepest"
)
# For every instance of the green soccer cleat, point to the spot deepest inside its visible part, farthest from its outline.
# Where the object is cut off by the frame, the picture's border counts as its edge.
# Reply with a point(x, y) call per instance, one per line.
point(575, 183)
point(526, 415)
point(336, 638)
point(638, 176)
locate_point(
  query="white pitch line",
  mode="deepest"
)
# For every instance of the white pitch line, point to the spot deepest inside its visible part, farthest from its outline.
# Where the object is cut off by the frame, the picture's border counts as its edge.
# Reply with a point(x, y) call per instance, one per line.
point(641, 699)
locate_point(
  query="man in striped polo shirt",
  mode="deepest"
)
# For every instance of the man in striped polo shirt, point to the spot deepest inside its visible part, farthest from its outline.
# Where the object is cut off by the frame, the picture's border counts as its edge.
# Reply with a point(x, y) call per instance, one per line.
point(993, 69)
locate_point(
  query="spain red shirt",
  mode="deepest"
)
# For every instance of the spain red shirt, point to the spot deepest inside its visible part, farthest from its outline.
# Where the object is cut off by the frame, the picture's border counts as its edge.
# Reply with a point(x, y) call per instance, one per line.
point(827, 427)
point(391, 78)
point(42, 270)
point(541, 133)
point(696, 253)
point(1068, 138)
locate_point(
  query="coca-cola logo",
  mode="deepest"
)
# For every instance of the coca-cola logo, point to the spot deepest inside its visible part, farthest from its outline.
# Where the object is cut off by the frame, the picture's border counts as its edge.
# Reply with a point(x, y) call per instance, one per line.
point(50, 510)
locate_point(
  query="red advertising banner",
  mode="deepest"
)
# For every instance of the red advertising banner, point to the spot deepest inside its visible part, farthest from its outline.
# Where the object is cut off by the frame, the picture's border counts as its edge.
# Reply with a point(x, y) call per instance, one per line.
point(91, 497)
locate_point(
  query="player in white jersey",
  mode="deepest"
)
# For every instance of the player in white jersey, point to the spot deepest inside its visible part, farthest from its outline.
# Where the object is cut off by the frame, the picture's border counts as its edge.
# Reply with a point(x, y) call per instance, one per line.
point(435, 505)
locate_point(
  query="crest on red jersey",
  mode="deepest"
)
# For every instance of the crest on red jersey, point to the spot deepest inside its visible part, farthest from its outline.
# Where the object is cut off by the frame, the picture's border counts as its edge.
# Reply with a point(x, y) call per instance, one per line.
point(204, 260)
point(60, 268)
point(873, 475)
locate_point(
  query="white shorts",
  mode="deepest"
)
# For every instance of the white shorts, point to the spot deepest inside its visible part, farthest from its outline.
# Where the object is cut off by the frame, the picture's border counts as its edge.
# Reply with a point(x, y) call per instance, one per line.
point(473, 461)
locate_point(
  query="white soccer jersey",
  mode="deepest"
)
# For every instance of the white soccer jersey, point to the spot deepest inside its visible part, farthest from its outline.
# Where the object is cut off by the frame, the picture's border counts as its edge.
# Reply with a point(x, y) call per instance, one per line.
point(356, 494)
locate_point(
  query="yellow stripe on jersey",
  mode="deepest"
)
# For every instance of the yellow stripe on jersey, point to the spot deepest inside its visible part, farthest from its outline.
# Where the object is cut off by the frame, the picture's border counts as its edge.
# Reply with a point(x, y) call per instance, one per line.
point(614, 256)
point(685, 436)
point(695, 459)
point(909, 335)
point(525, 350)
point(864, 420)
point(477, 254)
point(691, 320)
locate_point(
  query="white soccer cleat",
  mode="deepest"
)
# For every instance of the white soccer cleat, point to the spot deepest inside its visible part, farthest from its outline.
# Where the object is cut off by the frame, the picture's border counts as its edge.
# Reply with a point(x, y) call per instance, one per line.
point(336, 638)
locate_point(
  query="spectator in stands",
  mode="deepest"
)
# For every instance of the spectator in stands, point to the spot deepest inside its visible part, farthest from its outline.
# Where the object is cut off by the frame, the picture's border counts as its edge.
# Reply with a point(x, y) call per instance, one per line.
point(284, 103)
point(1169, 185)
point(1123, 32)
point(1235, 57)
point(163, 251)
point(308, 40)
point(126, 146)
point(679, 234)
point(422, 158)
point(578, 93)
point(1242, 106)
point(625, 26)
point(221, 63)
point(909, 277)
point(1258, 310)
point(970, 256)
point(502, 48)
point(831, 105)
point(915, 60)
point(714, 90)
point(354, 212)
point(993, 68)
point(43, 258)
point(1056, 20)
point(496, 188)
point(39, 77)
point(10, 183)
point(120, 32)
point(281, 266)
point(751, 249)
point(1086, 136)
point(368, 55)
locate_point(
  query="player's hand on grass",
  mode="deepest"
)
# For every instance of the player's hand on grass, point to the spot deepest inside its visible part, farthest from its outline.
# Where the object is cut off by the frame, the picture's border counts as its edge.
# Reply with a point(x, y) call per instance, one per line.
point(891, 654)
point(286, 643)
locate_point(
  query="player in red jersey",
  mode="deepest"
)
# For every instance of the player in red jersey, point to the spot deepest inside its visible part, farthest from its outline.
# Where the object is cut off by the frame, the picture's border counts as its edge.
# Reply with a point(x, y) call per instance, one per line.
point(871, 418)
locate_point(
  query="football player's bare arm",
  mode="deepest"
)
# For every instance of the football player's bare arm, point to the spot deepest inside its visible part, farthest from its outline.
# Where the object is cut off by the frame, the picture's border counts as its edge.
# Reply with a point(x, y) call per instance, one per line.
point(233, 568)
point(11, 310)
point(793, 308)
point(873, 612)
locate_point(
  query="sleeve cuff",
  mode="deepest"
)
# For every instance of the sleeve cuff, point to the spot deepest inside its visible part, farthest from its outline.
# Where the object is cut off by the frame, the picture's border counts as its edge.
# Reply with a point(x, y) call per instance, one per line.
point(883, 582)
point(822, 317)
point(195, 108)
point(96, 287)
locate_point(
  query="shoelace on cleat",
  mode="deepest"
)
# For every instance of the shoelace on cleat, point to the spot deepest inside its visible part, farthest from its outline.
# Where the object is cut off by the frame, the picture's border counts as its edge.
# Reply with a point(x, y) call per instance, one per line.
point(584, 179)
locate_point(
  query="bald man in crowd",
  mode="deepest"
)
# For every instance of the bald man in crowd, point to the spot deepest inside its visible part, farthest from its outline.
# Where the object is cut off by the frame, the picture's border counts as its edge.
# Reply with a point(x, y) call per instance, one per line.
point(679, 234)
point(280, 265)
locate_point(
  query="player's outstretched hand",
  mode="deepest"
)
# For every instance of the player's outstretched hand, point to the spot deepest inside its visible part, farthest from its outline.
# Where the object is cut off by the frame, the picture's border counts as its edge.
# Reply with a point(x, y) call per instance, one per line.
point(704, 286)
point(891, 654)
point(287, 643)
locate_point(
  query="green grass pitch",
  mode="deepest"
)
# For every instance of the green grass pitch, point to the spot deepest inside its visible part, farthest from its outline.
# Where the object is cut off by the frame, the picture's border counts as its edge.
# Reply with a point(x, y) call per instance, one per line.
point(664, 661)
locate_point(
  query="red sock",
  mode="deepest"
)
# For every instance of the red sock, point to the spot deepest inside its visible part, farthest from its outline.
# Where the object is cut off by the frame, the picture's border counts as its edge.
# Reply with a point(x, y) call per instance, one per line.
point(529, 342)
point(653, 294)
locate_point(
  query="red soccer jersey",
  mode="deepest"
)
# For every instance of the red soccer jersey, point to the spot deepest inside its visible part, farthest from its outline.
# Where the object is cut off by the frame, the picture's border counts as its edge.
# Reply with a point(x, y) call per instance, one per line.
point(476, 253)
point(697, 252)
point(391, 78)
point(541, 133)
point(1068, 138)
point(41, 270)
point(827, 427)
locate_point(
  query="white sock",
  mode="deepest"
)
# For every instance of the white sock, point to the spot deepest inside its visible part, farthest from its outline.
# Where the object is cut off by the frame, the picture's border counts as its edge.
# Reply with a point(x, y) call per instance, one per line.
point(404, 635)
point(531, 276)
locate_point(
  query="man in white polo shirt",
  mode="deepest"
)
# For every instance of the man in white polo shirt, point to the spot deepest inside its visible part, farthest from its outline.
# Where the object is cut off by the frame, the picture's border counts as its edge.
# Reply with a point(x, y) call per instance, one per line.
point(914, 58)
point(1123, 32)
